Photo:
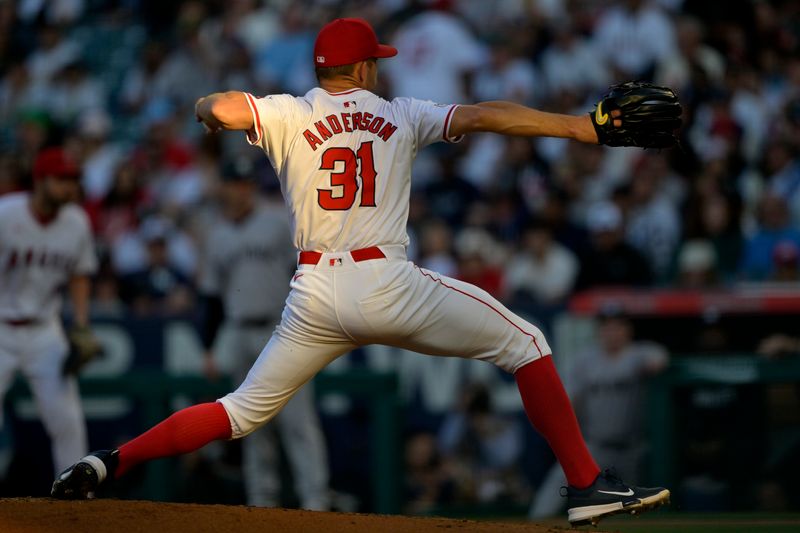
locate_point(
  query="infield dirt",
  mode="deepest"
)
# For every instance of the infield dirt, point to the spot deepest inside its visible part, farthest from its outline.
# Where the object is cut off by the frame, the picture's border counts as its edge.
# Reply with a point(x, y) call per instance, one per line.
point(44, 515)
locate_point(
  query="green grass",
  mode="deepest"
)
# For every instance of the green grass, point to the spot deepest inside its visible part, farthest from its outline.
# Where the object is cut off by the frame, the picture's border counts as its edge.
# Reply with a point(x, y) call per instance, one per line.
point(661, 521)
point(697, 523)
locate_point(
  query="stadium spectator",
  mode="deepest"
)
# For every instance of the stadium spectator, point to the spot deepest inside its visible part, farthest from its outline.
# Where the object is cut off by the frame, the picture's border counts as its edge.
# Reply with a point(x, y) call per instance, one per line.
point(283, 61)
point(542, 272)
point(693, 63)
point(252, 22)
point(145, 81)
point(583, 176)
point(571, 63)
point(116, 214)
point(186, 70)
point(437, 53)
point(716, 218)
point(32, 132)
point(775, 227)
point(609, 260)
point(506, 216)
point(449, 195)
point(53, 54)
point(697, 265)
point(99, 156)
point(522, 178)
point(18, 93)
point(633, 36)
point(653, 225)
point(427, 481)
point(129, 250)
point(72, 92)
point(482, 448)
point(553, 213)
point(778, 345)
point(783, 175)
point(786, 257)
point(478, 254)
point(158, 288)
point(60, 12)
point(167, 161)
point(507, 76)
point(435, 248)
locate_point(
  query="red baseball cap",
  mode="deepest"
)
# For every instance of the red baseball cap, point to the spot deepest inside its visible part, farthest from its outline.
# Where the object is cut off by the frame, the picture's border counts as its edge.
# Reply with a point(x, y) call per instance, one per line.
point(54, 162)
point(347, 41)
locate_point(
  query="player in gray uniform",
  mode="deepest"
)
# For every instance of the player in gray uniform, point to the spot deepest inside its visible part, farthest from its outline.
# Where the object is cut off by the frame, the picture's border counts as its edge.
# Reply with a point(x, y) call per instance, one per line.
point(45, 244)
point(245, 277)
point(607, 385)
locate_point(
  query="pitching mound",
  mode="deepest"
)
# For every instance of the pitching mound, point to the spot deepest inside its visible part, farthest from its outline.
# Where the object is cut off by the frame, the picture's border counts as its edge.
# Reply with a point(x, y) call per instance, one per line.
point(44, 515)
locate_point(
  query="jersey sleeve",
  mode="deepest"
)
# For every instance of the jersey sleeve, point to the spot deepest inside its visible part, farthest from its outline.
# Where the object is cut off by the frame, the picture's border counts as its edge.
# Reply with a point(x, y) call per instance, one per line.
point(274, 122)
point(430, 121)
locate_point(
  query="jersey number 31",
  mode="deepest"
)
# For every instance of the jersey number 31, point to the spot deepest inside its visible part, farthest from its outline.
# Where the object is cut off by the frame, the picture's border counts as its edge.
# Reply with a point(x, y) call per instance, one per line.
point(347, 178)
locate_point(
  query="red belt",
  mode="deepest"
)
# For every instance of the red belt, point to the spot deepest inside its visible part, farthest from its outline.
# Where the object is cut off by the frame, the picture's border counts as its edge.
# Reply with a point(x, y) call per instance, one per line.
point(363, 254)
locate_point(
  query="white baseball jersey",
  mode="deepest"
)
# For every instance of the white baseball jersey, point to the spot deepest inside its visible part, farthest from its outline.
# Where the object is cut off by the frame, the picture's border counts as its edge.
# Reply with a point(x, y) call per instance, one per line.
point(38, 258)
point(344, 163)
point(354, 150)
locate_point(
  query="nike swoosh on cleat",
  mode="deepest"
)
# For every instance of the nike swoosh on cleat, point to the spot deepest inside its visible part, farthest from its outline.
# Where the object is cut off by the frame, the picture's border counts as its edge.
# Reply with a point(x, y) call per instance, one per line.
point(629, 493)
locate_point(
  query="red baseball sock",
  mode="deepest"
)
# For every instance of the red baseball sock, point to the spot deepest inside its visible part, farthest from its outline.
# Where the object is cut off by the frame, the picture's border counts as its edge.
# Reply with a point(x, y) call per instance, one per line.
point(185, 431)
point(550, 411)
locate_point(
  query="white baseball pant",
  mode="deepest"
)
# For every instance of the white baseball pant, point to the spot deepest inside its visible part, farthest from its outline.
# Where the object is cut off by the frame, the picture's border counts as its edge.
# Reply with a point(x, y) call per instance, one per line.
point(340, 304)
point(298, 427)
point(38, 352)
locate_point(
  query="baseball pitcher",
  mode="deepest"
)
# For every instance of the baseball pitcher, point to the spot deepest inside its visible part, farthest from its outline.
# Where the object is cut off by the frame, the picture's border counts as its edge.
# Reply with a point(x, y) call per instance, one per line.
point(46, 244)
point(343, 157)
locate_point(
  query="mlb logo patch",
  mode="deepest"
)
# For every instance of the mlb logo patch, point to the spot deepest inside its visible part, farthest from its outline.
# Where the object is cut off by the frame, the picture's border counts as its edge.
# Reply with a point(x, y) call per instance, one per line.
point(320, 59)
point(335, 261)
point(351, 103)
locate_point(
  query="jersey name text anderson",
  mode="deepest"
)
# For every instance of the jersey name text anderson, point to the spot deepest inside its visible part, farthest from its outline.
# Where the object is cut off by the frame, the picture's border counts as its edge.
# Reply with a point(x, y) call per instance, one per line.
point(349, 122)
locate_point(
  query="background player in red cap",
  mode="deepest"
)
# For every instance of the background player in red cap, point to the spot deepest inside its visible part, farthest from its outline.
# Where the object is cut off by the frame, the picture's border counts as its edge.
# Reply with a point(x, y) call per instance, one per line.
point(45, 244)
point(343, 157)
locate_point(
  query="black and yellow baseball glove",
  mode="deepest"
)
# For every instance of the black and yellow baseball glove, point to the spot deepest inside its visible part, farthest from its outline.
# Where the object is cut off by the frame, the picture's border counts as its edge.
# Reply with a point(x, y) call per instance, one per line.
point(648, 115)
point(83, 348)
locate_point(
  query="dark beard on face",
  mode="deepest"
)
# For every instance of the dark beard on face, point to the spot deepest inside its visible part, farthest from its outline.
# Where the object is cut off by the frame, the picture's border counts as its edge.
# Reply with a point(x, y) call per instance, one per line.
point(53, 205)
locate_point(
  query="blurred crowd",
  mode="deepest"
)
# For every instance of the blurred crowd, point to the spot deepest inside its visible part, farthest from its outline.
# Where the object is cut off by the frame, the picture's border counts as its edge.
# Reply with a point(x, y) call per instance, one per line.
point(531, 221)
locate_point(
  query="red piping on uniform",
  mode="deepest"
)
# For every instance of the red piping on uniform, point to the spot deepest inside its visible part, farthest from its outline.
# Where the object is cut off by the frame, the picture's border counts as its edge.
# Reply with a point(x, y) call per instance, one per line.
point(447, 123)
point(487, 304)
point(255, 111)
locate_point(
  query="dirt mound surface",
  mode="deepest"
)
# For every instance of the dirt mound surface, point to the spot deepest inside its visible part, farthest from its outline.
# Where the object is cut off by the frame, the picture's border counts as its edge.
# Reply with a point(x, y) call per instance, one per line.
point(44, 515)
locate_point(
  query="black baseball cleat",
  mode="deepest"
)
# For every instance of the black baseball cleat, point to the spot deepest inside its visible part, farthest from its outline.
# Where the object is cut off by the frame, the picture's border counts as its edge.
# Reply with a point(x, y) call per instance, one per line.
point(607, 496)
point(79, 481)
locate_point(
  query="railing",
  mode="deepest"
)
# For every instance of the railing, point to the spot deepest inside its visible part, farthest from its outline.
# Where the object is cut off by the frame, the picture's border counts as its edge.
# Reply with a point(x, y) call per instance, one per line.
point(731, 370)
